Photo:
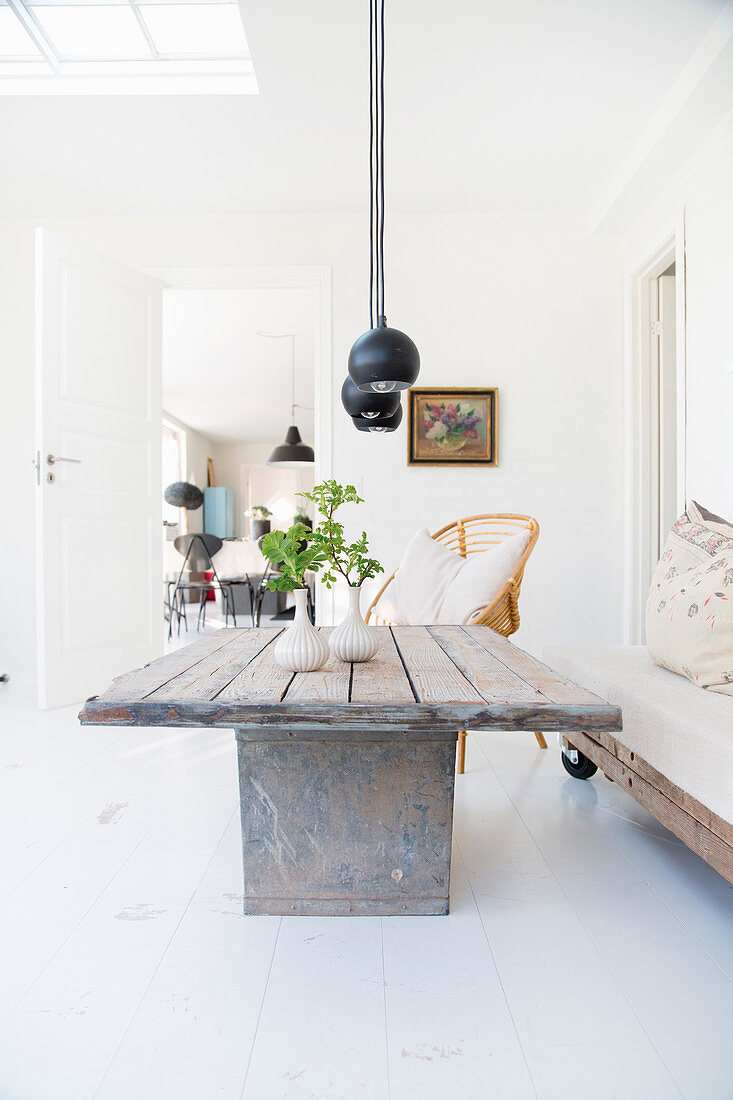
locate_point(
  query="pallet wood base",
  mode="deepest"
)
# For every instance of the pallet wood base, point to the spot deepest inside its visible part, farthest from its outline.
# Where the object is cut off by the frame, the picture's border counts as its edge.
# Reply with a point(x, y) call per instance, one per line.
point(346, 825)
point(708, 835)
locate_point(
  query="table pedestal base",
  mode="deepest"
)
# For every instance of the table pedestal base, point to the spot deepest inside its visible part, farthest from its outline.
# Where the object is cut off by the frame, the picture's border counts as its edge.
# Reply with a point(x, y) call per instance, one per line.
point(337, 823)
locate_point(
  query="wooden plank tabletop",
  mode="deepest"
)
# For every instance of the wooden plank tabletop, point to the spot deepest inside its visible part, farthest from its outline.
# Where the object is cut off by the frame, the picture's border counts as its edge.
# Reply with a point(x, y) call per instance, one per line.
point(442, 678)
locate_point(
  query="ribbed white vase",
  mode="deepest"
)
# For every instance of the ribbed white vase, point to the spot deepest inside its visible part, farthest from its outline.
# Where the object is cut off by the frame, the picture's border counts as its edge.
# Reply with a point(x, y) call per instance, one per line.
point(353, 640)
point(301, 648)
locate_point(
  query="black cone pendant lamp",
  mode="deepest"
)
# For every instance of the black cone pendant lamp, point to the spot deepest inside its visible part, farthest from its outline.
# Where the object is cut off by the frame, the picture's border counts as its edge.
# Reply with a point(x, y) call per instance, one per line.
point(293, 452)
point(383, 360)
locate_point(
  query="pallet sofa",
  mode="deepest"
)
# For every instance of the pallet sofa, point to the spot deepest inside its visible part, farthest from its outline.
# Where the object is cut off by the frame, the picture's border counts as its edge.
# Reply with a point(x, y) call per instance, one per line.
point(675, 755)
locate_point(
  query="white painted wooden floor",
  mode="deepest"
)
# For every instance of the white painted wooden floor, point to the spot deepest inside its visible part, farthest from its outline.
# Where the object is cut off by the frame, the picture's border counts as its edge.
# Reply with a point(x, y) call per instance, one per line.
point(588, 954)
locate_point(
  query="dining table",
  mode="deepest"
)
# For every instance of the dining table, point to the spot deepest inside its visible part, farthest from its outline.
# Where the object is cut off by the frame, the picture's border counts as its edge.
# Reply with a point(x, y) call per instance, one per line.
point(347, 774)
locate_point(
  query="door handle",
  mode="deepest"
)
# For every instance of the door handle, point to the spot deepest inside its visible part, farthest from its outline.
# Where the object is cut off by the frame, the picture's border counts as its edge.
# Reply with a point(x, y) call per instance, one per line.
point(53, 459)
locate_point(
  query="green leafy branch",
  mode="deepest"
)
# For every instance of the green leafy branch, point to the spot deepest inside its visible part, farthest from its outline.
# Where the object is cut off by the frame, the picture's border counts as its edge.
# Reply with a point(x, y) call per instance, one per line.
point(346, 558)
point(293, 553)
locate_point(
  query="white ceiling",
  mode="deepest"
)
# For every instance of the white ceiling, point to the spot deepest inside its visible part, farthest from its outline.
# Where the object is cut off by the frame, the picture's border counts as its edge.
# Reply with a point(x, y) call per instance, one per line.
point(224, 380)
point(493, 105)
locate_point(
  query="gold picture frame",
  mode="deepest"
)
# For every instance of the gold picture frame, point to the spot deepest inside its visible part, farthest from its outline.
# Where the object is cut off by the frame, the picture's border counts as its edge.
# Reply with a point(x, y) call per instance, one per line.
point(454, 426)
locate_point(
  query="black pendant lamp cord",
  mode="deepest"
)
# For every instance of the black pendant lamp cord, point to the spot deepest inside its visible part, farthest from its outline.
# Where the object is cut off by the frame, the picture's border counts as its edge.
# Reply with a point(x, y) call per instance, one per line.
point(376, 162)
point(371, 163)
point(383, 360)
point(380, 310)
point(292, 379)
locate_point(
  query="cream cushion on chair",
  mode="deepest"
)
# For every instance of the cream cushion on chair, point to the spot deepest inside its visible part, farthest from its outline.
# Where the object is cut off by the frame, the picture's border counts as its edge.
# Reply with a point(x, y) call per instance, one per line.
point(386, 608)
point(422, 580)
point(481, 579)
point(435, 585)
point(689, 615)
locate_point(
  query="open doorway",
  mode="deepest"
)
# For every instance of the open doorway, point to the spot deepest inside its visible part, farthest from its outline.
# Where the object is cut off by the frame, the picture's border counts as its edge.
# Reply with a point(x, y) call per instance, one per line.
point(228, 387)
point(655, 468)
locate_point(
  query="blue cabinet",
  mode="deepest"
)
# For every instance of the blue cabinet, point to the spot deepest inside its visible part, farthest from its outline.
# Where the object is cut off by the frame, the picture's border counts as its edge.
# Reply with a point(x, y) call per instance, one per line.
point(219, 512)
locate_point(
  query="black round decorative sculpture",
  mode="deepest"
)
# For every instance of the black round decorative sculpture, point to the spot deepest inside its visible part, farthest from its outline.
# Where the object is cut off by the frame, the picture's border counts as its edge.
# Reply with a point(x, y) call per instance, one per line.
point(182, 494)
point(381, 424)
point(368, 403)
point(384, 359)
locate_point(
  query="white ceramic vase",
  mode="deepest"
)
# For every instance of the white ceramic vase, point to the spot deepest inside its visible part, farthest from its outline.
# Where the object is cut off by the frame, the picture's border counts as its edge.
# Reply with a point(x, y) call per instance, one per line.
point(353, 640)
point(301, 648)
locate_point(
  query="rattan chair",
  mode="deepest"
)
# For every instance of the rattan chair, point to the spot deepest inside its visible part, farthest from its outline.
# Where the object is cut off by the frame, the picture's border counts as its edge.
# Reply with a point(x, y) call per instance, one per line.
point(471, 536)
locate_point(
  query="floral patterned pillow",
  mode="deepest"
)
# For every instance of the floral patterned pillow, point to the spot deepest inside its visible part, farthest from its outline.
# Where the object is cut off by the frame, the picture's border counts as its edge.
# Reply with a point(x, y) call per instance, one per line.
point(689, 614)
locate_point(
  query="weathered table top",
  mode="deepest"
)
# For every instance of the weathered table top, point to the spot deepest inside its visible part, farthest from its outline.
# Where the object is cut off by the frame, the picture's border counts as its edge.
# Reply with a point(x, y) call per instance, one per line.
point(440, 678)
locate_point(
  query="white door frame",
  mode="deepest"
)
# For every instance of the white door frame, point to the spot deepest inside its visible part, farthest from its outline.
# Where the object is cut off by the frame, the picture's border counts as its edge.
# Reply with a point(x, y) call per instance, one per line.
point(317, 279)
point(668, 246)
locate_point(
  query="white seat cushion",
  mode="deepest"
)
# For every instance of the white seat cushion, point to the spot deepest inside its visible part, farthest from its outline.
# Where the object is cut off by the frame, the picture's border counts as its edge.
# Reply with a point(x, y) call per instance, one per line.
point(685, 733)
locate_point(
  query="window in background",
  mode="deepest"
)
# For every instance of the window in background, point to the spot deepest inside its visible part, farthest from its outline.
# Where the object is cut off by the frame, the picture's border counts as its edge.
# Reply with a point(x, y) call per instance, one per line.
point(174, 463)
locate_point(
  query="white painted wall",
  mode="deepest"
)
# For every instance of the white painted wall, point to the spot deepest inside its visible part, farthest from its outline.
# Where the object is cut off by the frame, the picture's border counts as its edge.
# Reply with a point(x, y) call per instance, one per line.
point(232, 459)
point(530, 304)
point(703, 187)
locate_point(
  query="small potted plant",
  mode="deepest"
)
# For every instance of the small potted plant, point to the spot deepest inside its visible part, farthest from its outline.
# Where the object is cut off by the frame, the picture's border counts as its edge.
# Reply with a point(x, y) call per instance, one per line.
point(259, 517)
point(352, 640)
point(300, 648)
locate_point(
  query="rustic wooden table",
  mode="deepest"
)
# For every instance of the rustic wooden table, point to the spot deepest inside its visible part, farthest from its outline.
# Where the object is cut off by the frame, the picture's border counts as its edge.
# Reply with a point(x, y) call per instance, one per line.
point(346, 774)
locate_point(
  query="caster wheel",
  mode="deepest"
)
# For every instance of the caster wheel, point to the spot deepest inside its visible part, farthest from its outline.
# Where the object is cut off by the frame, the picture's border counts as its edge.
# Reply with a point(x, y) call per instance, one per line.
point(584, 769)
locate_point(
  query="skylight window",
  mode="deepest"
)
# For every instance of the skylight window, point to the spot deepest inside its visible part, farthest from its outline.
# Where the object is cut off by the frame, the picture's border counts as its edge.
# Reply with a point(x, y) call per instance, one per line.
point(107, 31)
point(119, 47)
point(14, 41)
point(195, 28)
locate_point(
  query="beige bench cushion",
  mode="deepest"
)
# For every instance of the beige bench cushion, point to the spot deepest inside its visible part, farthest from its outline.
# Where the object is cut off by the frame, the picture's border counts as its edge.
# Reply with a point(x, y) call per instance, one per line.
point(686, 733)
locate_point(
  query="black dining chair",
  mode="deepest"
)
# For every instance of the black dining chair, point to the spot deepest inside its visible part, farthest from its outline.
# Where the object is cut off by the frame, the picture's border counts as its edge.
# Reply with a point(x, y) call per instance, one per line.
point(198, 551)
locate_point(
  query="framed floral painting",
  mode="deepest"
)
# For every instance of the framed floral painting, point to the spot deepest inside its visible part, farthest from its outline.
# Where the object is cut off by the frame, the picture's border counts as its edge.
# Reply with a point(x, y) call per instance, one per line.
point(452, 427)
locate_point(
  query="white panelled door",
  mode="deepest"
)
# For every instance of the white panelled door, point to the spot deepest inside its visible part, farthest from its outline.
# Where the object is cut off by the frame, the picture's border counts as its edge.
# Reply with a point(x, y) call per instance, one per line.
point(98, 435)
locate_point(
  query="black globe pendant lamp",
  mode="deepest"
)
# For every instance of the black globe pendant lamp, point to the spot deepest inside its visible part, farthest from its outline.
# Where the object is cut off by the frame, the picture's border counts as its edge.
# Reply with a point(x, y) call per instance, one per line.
point(368, 404)
point(380, 424)
point(383, 359)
